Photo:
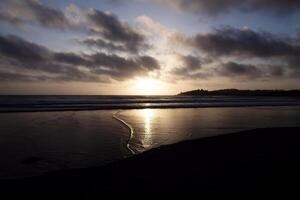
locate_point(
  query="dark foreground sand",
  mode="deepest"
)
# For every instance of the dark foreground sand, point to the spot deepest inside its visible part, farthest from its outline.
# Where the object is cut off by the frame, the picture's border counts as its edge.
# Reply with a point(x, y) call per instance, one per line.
point(256, 163)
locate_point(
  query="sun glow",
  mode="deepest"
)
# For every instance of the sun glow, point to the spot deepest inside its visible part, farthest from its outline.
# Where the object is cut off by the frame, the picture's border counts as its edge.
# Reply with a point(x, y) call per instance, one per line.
point(147, 86)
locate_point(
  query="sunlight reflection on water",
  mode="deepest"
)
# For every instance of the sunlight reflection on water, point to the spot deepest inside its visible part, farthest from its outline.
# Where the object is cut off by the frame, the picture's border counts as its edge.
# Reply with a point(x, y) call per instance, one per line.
point(148, 115)
point(155, 127)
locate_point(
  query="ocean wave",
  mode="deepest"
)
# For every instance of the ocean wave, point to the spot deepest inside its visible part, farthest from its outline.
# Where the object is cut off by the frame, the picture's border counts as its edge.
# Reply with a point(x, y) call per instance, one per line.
point(128, 144)
point(65, 103)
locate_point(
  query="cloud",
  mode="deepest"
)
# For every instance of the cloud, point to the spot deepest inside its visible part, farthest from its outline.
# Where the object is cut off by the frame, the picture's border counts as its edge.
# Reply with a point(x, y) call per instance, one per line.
point(188, 65)
point(263, 54)
point(219, 53)
point(232, 44)
point(16, 52)
point(216, 7)
point(24, 60)
point(153, 28)
point(108, 31)
point(237, 70)
point(110, 28)
point(229, 41)
point(13, 76)
point(246, 71)
point(148, 62)
point(4, 17)
point(191, 62)
point(99, 43)
point(121, 68)
point(70, 58)
point(32, 12)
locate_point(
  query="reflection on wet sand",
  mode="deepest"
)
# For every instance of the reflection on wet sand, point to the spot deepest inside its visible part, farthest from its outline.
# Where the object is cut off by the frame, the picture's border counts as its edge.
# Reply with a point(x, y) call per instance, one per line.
point(155, 127)
point(139, 140)
point(148, 115)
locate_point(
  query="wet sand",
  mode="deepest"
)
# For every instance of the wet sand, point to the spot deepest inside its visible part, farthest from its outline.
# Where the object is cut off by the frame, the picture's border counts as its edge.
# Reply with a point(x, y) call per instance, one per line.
point(38, 142)
point(255, 163)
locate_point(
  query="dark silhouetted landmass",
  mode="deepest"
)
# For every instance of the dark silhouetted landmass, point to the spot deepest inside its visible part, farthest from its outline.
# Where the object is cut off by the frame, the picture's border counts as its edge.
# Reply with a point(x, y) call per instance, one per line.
point(236, 92)
point(250, 164)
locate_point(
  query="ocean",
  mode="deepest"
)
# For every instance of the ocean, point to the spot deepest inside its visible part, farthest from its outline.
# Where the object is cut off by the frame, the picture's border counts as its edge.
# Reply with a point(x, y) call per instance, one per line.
point(39, 134)
point(56, 102)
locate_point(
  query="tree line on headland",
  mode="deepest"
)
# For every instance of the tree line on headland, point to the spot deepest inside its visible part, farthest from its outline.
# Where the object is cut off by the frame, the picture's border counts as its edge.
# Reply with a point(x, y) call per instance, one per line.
point(236, 92)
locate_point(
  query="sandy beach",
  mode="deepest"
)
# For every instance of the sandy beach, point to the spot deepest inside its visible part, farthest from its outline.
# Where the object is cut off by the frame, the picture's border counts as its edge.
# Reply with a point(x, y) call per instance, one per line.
point(245, 164)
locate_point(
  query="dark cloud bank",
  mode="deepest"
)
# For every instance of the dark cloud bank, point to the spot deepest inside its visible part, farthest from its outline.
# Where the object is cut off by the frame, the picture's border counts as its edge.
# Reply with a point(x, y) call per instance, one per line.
point(229, 41)
point(26, 61)
point(111, 29)
point(107, 31)
point(20, 58)
point(32, 12)
point(190, 66)
point(278, 55)
point(217, 7)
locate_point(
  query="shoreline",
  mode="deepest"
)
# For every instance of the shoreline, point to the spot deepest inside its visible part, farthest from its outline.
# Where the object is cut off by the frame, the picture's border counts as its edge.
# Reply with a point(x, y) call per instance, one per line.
point(238, 164)
point(123, 122)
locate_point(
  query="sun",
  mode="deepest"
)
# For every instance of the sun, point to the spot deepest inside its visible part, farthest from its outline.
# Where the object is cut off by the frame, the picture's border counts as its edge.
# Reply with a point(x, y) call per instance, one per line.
point(147, 86)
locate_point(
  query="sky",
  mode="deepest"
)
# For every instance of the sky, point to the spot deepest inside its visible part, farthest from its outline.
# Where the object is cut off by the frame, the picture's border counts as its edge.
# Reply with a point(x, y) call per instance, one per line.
point(147, 47)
